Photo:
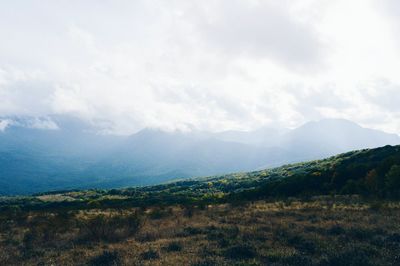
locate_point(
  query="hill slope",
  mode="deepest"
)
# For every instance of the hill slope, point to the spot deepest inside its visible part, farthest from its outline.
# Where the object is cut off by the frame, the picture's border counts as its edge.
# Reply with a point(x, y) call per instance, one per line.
point(371, 173)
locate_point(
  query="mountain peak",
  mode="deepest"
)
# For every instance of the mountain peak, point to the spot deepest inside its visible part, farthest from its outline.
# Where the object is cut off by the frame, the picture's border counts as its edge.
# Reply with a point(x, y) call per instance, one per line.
point(331, 122)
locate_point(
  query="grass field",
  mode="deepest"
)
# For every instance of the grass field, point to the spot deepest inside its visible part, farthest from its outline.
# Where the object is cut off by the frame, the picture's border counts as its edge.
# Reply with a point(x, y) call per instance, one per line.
point(322, 231)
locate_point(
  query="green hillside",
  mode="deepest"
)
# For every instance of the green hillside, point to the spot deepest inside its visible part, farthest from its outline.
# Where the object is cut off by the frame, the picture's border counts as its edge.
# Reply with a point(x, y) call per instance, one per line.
point(372, 173)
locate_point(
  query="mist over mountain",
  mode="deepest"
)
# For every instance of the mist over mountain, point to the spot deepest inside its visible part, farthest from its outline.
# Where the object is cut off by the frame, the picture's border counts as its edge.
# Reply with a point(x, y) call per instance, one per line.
point(60, 152)
point(332, 136)
point(265, 136)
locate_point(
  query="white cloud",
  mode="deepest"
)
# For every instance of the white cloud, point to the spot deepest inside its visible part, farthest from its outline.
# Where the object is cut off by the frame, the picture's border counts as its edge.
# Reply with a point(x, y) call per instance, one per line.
point(4, 124)
point(32, 122)
point(214, 66)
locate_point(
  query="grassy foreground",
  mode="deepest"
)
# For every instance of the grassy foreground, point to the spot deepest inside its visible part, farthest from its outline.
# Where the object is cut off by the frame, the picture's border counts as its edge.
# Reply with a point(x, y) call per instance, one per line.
point(343, 230)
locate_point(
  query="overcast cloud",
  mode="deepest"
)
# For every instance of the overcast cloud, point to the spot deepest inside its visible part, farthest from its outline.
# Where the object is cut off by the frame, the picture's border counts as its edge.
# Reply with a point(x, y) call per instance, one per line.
point(209, 65)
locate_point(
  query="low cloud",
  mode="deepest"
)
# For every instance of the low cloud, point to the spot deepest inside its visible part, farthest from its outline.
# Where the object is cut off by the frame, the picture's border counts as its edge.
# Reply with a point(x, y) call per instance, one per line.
point(4, 124)
point(385, 94)
point(211, 66)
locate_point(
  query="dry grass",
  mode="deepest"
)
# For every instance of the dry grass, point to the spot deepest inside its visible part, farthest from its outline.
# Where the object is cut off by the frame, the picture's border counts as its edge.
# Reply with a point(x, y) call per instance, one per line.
point(319, 232)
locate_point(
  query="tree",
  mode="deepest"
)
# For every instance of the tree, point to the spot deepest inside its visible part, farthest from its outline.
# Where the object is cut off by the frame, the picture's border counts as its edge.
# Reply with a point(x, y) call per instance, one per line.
point(371, 181)
point(351, 187)
point(392, 180)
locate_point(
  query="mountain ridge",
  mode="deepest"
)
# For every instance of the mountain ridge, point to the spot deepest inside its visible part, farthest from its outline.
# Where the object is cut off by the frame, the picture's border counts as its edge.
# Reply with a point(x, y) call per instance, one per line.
point(75, 155)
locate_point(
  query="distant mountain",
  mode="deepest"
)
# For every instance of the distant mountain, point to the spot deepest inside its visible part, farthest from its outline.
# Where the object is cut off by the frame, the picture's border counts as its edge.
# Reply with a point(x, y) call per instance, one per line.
point(59, 152)
point(265, 136)
point(318, 138)
point(332, 136)
point(154, 155)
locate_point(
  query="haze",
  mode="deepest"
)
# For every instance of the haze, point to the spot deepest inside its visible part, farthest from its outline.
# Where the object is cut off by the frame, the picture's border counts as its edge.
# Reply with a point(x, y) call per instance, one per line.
point(221, 65)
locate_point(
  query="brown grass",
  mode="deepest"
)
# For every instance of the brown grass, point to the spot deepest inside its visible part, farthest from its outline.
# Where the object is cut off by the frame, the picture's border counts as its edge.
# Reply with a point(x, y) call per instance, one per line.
point(318, 232)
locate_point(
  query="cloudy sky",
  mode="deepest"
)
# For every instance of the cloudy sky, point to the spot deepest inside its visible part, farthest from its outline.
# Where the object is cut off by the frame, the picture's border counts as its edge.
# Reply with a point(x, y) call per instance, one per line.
point(209, 65)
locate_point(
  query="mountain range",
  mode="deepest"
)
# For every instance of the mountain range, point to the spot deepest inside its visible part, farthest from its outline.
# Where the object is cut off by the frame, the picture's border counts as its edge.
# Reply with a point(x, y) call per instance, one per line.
point(60, 152)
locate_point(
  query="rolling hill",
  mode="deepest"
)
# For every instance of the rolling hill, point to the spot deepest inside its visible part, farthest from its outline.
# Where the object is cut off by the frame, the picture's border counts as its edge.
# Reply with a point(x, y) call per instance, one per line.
point(372, 173)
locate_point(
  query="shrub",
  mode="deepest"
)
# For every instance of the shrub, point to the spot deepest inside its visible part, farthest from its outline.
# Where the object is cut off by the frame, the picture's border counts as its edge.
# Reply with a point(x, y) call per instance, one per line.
point(157, 214)
point(359, 233)
point(173, 247)
point(108, 258)
point(102, 228)
point(349, 256)
point(205, 262)
point(302, 244)
point(147, 236)
point(150, 255)
point(336, 230)
point(29, 239)
point(188, 211)
point(296, 259)
point(394, 238)
point(239, 252)
point(188, 231)
point(376, 205)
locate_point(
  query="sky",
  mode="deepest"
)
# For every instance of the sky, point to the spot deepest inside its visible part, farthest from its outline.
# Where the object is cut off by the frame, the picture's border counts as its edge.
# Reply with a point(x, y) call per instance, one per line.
point(210, 65)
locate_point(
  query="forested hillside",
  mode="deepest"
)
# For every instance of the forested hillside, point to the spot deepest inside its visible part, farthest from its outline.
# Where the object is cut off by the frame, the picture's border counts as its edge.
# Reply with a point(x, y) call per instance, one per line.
point(371, 173)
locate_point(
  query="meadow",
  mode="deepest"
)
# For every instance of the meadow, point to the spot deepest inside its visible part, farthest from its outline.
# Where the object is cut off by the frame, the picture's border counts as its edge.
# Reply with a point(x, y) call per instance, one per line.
point(341, 230)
